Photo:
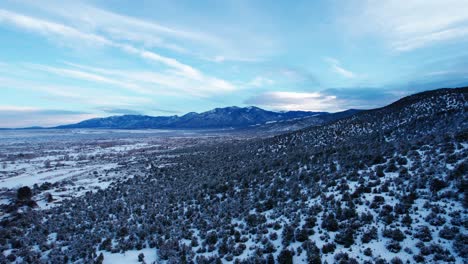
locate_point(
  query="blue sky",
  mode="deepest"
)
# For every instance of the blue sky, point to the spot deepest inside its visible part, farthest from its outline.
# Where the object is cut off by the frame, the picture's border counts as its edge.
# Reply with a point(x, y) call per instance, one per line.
point(65, 61)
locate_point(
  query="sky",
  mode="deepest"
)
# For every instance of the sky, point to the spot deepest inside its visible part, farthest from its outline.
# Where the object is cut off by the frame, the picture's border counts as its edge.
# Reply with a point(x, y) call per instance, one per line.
point(66, 61)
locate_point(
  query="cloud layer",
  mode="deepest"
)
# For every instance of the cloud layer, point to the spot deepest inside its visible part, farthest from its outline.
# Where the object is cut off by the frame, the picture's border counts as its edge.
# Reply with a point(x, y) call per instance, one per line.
point(176, 71)
point(329, 100)
point(294, 101)
point(14, 117)
point(409, 25)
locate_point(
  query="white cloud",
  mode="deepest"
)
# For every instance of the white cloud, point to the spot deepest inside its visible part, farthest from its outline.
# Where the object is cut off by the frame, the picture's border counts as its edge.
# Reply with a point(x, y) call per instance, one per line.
point(178, 73)
point(48, 28)
point(408, 25)
point(24, 116)
point(167, 82)
point(16, 108)
point(85, 96)
point(343, 72)
point(329, 100)
point(281, 100)
point(459, 73)
point(125, 27)
point(18, 120)
point(429, 38)
point(93, 20)
point(92, 77)
point(224, 58)
point(260, 81)
point(337, 68)
point(210, 44)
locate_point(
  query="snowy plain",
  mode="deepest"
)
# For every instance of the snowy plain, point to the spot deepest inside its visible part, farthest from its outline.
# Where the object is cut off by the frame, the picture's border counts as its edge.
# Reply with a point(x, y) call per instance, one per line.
point(72, 162)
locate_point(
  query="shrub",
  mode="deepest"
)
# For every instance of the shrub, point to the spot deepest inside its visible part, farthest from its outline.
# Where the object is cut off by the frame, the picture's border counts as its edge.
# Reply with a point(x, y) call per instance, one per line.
point(141, 257)
point(211, 238)
point(436, 221)
point(24, 193)
point(419, 258)
point(345, 237)
point(449, 233)
point(436, 185)
point(406, 220)
point(254, 220)
point(460, 244)
point(288, 235)
point(285, 257)
point(330, 223)
point(328, 248)
point(396, 260)
point(378, 201)
point(313, 252)
point(393, 246)
point(344, 258)
point(394, 234)
point(423, 233)
point(368, 252)
point(310, 222)
point(369, 235)
point(301, 235)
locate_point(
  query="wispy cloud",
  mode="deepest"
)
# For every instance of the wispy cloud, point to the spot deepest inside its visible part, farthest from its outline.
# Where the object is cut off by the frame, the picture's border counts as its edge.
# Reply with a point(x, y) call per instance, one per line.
point(330, 100)
point(220, 58)
point(14, 116)
point(119, 111)
point(364, 97)
point(92, 77)
point(15, 108)
point(85, 96)
point(409, 25)
point(166, 111)
point(90, 19)
point(343, 72)
point(294, 101)
point(260, 81)
point(177, 70)
point(47, 28)
point(167, 82)
point(337, 68)
point(298, 75)
point(203, 44)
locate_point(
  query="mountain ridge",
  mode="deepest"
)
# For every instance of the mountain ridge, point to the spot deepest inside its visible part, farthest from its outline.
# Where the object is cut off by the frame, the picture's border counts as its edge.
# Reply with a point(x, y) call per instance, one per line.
point(217, 118)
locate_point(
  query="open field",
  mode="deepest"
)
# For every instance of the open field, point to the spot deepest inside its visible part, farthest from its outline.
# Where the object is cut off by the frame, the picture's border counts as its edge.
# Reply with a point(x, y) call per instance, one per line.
point(67, 163)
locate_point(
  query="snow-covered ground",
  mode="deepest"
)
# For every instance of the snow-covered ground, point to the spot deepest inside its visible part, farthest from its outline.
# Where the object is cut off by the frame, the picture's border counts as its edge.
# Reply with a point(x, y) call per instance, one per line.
point(130, 257)
point(72, 162)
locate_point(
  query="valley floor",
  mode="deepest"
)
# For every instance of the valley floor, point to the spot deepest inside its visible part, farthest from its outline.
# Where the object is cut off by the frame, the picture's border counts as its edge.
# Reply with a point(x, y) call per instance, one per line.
point(69, 163)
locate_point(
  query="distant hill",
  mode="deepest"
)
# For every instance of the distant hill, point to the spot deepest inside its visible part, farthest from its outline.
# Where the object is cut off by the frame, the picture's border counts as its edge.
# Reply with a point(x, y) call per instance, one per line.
point(228, 117)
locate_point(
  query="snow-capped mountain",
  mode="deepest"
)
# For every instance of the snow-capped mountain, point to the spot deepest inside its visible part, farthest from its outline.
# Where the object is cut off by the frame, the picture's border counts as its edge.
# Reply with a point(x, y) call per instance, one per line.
point(228, 117)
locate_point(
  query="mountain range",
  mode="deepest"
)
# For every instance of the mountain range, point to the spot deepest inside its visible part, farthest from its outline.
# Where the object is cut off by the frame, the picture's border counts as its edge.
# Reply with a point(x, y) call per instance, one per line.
point(218, 118)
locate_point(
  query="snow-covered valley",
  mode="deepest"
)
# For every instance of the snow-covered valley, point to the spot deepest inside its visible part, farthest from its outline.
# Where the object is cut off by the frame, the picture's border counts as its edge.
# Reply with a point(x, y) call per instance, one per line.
point(60, 164)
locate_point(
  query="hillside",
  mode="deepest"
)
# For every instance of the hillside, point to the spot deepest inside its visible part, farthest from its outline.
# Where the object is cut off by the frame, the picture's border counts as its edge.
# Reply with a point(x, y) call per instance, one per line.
point(387, 185)
point(280, 127)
